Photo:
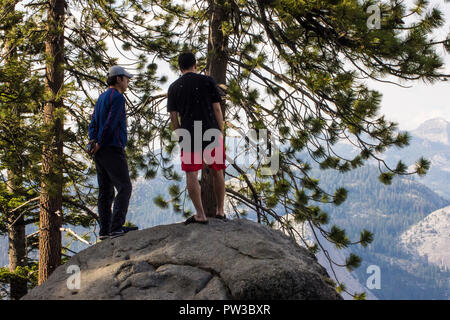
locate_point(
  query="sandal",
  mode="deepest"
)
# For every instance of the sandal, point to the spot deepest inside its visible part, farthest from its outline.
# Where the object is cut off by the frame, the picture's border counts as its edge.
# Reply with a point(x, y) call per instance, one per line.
point(224, 217)
point(193, 220)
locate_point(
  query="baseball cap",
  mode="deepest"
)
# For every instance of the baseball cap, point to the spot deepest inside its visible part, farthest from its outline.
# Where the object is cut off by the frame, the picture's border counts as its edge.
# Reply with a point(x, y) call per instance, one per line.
point(118, 71)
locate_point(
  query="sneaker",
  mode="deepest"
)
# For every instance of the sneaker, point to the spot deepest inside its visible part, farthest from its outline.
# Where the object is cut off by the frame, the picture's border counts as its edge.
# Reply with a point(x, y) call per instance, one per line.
point(122, 231)
point(128, 229)
point(104, 237)
point(116, 234)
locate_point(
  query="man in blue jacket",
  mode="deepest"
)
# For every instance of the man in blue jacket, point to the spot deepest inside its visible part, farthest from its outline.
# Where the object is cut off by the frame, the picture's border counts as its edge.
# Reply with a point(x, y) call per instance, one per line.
point(108, 129)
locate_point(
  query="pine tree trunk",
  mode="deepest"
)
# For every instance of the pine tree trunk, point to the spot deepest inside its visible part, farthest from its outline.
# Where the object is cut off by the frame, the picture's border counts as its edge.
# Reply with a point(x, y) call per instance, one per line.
point(217, 69)
point(17, 244)
point(50, 219)
point(17, 258)
point(17, 249)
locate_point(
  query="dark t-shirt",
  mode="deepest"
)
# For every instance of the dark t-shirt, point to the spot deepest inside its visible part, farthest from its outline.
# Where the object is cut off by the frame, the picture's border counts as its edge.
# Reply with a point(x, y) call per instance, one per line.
point(192, 95)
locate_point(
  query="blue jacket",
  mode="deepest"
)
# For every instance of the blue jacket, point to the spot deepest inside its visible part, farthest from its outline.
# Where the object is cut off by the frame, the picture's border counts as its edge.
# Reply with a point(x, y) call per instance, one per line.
point(109, 122)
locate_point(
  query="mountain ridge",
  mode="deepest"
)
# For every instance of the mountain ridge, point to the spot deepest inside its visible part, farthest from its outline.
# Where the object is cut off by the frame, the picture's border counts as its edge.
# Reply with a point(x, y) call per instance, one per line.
point(429, 238)
point(436, 130)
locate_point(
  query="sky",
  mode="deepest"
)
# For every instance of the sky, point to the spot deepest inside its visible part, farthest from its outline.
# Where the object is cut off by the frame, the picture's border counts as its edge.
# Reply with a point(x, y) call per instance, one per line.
point(413, 106)
point(410, 107)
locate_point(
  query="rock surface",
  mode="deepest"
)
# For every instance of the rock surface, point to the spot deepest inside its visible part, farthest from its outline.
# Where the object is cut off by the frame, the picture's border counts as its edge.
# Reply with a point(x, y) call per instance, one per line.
point(237, 259)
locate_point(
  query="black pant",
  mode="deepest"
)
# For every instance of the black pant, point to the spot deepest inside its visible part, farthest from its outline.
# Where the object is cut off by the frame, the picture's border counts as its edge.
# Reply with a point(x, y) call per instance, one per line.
point(112, 171)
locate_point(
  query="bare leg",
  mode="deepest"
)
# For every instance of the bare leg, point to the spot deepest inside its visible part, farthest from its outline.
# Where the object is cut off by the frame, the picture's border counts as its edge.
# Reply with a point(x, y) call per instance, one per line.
point(194, 190)
point(219, 190)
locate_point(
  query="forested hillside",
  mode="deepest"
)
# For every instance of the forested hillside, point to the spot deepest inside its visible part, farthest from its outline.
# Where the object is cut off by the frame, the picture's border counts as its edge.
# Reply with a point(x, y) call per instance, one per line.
point(387, 211)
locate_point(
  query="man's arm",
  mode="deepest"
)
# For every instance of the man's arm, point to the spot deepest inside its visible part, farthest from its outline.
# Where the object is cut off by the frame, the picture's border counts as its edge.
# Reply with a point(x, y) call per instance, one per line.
point(93, 132)
point(216, 99)
point(93, 125)
point(174, 120)
point(172, 108)
point(113, 119)
point(218, 114)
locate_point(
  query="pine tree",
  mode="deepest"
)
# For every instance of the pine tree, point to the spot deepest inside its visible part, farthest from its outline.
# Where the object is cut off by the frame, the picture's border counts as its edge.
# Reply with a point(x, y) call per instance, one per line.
point(16, 232)
point(50, 219)
point(216, 66)
point(23, 134)
point(16, 104)
point(308, 59)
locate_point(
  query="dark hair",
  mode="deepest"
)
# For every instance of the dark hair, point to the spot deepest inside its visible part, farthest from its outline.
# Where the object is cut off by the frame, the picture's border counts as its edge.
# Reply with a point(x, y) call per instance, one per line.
point(111, 81)
point(186, 60)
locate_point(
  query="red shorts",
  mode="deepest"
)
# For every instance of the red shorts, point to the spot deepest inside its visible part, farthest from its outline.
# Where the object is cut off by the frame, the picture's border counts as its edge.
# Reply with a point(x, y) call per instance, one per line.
point(214, 158)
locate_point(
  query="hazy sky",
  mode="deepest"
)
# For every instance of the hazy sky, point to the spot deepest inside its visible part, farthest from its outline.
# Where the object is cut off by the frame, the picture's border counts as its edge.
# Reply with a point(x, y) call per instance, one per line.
point(412, 106)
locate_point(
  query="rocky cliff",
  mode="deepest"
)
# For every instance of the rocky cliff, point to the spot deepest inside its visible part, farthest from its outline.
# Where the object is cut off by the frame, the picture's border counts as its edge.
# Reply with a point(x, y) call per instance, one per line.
point(429, 238)
point(237, 259)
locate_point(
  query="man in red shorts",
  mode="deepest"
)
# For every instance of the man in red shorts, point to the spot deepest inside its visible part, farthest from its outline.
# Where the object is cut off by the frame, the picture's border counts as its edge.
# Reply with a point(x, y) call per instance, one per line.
point(196, 99)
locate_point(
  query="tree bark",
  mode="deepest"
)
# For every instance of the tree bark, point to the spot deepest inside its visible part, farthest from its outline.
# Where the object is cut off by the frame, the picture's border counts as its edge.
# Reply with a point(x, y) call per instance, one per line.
point(50, 219)
point(217, 68)
point(17, 249)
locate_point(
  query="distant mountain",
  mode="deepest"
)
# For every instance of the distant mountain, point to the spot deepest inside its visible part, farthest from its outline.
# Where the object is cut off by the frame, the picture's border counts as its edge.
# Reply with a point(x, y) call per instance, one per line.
point(430, 238)
point(430, 140)
point(435, 130)
point(143, 211)
point(387, 211)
